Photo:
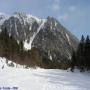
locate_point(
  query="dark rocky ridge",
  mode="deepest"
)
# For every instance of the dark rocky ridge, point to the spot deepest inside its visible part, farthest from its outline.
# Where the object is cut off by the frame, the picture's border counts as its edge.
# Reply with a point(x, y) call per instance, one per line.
point(55, 40)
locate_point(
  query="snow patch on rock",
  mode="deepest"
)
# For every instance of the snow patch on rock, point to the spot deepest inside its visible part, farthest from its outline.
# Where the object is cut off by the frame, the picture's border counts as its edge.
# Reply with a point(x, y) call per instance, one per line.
point(68, 38)
point(50, 57)
point(3, 17)
point(27, 18)
point(55, 24)
point(28, 45)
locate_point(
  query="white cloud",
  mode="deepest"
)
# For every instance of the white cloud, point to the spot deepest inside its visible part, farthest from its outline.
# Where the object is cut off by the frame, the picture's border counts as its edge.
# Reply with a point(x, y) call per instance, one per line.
point(63, 17)
point(72, 8)
point(69, 13)
point(55, 5)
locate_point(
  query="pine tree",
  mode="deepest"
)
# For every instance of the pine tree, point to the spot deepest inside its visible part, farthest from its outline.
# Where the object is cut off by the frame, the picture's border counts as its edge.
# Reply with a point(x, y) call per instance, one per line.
point(73, 63)
point(80, 54)
point(87, 52)
point(78, 57)
point(82, 57)
point(21, 45)
point(5, 41)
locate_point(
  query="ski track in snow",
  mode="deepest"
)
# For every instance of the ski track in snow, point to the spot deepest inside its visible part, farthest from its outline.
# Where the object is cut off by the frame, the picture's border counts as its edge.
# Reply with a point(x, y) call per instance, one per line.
point(43, 79)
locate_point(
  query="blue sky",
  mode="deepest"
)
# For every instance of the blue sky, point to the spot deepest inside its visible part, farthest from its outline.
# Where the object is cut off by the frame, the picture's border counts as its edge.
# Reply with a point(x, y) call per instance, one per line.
point(73, 14)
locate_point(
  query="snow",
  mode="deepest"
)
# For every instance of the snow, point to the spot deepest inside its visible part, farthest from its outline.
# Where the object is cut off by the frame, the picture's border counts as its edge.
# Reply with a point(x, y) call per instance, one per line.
point(0, 30)
point(7, 65)
point(42, 79)
point(50, 57)
point(28, 45)
point(68, 38)
point(69, 56)
point(30, 28)
point(4, 17)
point(18, 41)
point(55, 23)
point(10, 28)
point(24, 18)
point(36, 18)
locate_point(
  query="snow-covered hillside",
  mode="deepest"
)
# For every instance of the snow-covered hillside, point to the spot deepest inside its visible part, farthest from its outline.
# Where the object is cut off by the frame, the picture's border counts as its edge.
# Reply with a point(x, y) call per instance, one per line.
point(42, 79)
point(4, 63)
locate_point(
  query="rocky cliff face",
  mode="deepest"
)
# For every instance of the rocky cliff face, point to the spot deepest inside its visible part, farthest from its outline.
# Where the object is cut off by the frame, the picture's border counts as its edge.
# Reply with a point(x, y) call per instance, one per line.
point(53, 40)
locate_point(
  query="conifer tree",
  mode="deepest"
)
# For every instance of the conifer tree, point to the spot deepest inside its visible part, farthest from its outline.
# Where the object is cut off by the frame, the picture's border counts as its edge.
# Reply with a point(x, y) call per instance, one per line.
point(73, 63)
point(87, 52)
point(82, 57)
point(21, 45)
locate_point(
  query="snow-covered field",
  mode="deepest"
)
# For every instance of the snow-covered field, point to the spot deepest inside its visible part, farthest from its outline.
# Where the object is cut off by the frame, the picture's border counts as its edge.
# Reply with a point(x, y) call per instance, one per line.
point(43, 79)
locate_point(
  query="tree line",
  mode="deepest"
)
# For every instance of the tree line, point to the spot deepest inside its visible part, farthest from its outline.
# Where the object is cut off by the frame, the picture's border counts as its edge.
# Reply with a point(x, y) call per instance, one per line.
point(14, 51)
point(81, 57)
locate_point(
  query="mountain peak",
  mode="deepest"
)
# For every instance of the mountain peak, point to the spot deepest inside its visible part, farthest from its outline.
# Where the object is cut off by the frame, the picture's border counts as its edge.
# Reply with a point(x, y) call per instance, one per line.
point(27, 16)
point(52, 39)
point(3, 17)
